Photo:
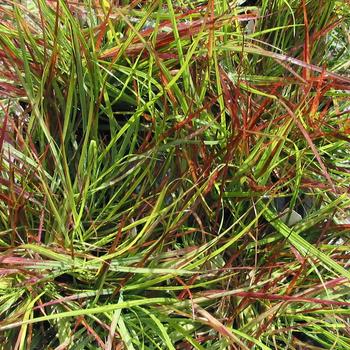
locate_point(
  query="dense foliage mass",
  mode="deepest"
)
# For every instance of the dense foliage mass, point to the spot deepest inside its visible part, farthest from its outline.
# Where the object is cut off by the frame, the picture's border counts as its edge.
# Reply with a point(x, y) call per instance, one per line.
point(174, 174)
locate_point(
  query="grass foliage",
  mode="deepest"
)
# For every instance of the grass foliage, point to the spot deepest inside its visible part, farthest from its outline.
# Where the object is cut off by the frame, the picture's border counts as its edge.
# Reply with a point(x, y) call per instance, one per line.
point(174, 174)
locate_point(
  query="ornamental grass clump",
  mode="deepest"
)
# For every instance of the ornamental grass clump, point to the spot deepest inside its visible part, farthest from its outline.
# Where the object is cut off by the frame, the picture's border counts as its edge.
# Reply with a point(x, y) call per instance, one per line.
point(174, 174)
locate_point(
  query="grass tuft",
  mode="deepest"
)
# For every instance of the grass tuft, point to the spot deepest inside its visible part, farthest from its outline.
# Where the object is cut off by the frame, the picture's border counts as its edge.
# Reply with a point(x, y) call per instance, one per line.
point(174, 174)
